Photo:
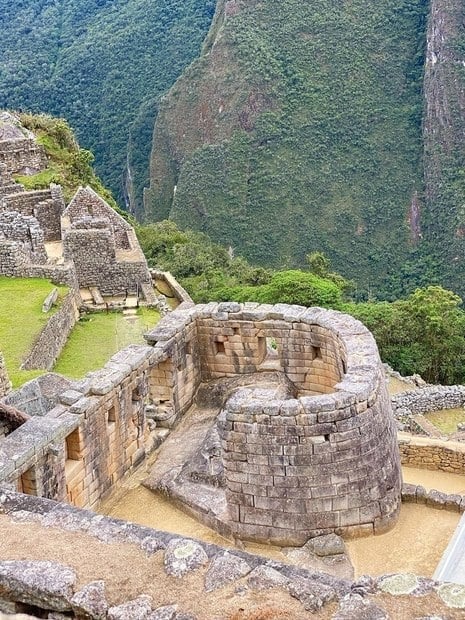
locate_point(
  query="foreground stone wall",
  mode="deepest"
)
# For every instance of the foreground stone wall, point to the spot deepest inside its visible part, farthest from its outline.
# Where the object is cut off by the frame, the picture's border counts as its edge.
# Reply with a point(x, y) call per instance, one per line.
point(181, 579)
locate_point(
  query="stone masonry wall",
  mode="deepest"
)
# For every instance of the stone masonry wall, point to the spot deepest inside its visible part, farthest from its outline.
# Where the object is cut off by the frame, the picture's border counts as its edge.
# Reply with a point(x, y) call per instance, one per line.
point(50, 342)
point(14, 259)
point(5, 384)
point(93, 252)
point(26, 230)
point(295, 467)
point(86, 203)
point(23, 156)
point(302, 466)
point(85, 444)
point(430, 398)
point(434, 454)
point(45, 205)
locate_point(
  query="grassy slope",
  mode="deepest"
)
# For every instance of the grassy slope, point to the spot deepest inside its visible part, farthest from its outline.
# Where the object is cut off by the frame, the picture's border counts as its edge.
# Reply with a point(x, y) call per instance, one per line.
point(21, 320)
point(102, 65)
point(326, 153)
point(97, 337)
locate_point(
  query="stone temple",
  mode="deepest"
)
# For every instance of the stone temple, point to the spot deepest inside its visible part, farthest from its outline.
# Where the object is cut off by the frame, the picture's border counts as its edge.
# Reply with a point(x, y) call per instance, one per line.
point(305, 443)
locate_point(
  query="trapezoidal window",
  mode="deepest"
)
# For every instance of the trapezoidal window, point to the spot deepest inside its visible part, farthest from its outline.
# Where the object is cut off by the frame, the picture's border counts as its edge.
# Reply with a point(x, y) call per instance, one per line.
point(73, 456)
point(111, 418)
point(316, 353)
point(219, 348)
point(27, 482)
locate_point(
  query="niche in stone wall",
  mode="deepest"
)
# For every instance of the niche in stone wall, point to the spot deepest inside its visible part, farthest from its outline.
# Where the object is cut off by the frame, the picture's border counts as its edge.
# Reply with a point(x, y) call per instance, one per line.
point(73, 460)
point(27, 482)
point(219, 347)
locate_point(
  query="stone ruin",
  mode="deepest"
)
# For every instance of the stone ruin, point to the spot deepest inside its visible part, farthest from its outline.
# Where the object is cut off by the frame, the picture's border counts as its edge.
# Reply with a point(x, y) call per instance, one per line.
point(86, 244)
point(307, 449)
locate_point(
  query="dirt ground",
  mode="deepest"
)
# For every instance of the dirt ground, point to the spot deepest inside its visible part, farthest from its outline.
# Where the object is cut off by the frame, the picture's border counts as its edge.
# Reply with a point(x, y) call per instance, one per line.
point(128, 572)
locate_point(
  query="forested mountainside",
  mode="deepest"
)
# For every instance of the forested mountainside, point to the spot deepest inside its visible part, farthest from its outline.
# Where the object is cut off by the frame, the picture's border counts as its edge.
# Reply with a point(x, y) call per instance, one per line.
point(298, 127)
point(103, 65)
point(443, 220)
point(316, 126)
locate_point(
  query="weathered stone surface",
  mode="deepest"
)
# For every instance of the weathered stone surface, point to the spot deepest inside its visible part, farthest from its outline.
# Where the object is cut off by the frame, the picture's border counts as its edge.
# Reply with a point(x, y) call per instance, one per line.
point(312, 594)
point(168, 612)
point(452, 594)
point(399, 584)
point(183, 556)
point(138, 609)
point(224, 569)
point(48, 585)
point(355, 607)
point(90, 601)
point(330, 544)
point(265, 577)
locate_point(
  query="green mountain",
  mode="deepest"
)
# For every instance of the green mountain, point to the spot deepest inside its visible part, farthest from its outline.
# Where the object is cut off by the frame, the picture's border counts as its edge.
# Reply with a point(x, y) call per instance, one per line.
point(103, 65)
point(299, 129)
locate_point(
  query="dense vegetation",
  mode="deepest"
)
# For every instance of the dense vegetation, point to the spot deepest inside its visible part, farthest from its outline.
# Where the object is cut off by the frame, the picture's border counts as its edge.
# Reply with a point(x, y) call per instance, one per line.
point(68, 164)
point(316, 147)
point(103, 65)
point(423, 333)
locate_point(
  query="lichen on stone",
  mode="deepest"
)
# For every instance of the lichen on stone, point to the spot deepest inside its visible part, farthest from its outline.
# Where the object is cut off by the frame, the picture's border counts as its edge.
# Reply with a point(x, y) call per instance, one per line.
point(399, 584)
point(452, 594)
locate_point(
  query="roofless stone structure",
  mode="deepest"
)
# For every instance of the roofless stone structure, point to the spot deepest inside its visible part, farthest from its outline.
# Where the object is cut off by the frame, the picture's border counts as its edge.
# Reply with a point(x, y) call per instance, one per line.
point(308, 442)
point(316, 453)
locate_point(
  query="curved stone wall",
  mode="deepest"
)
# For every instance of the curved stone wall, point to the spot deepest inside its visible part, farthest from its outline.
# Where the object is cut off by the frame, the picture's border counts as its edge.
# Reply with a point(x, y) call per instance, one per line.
point(315, 463)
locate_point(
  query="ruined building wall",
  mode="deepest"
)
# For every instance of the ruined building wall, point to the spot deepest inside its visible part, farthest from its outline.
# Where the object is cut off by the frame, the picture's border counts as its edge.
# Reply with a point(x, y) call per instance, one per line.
point(14, 259)
point(326, 460)
point(23, 156)
point(45, 205)
point(26, 231)
point(87, 203)
point(295, 467)
point(93, 252)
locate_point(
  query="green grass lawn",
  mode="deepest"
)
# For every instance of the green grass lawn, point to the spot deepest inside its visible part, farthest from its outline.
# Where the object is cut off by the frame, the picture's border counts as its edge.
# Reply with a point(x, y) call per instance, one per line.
point(447, 419)
point(97, 337)
point(21, 320)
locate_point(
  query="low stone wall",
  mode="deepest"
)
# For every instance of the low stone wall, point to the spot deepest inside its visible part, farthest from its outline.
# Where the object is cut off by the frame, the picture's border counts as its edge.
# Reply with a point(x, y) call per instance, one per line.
point(5, 384)
point(178, 291)
point(50, 342)
point(434, 454)
point(416, 494)
point(429, 398)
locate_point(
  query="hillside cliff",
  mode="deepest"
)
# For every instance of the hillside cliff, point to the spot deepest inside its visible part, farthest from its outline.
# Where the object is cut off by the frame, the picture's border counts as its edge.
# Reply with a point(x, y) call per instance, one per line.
point(444, 136)
point(299, 129)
